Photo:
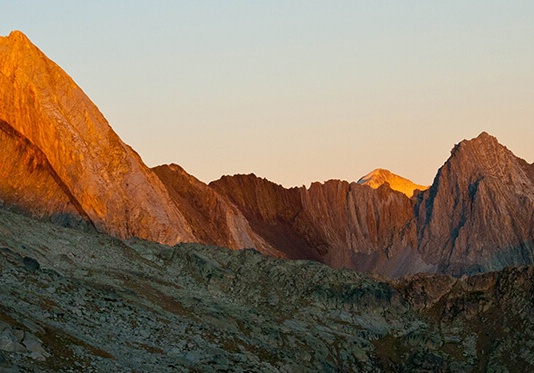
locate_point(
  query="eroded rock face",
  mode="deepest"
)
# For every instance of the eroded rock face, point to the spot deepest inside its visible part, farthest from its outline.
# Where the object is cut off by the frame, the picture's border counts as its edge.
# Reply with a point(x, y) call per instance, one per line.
point(27, 178)
point(339, 223)
point(479, 213)
point(273, 212)
point(70, 160)
point(214, 219)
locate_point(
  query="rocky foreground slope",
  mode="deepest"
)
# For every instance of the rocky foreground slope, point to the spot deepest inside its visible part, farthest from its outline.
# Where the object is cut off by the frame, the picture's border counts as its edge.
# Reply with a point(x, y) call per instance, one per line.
point(74, 301)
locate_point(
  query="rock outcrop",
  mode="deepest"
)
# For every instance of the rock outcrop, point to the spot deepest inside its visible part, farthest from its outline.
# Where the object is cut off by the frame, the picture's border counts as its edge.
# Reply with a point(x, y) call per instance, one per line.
point(60, 156)
point(380, 176)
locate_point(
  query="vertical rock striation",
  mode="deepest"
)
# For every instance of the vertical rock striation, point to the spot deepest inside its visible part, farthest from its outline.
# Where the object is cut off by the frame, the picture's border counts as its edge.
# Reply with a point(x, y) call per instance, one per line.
point(213, 219)
point(339, 223)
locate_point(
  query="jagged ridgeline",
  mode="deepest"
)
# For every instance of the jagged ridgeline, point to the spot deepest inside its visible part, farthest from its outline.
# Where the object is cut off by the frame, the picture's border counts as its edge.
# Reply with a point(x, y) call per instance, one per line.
point(61, 160)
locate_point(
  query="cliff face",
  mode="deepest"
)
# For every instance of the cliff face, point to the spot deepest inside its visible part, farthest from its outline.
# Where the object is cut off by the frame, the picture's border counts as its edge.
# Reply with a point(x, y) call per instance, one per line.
point(362, 226)
point(214, 220)
point(274, 213)
point(27, 179)
point(339, 223)
point(69, 159)
point(479, 212)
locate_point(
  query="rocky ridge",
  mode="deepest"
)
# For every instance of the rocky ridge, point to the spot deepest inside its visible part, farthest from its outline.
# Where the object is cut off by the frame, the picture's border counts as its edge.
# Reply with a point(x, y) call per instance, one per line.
point(339, 223)
point(80, 301)
point(60, 160)
point(477, 216)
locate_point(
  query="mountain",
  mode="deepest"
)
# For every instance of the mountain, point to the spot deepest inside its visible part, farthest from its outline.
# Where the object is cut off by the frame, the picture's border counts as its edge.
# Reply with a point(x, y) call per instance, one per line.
point(60, 157)
point(61, 161)
point(82, 301)
point(380, 176)
point(478, 215)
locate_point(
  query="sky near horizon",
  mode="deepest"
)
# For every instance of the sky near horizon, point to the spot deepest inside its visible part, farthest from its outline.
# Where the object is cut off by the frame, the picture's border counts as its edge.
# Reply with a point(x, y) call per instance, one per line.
point(296, 91)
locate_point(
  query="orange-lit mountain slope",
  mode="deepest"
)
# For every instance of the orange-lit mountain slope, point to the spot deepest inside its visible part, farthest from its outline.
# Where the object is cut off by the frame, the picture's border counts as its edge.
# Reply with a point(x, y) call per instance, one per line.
point(380, 176)
point(60, 156)
point(61, 159)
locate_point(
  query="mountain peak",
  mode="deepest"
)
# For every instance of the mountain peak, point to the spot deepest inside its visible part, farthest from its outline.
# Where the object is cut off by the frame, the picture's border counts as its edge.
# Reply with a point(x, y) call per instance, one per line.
point(484, 142)
point(83, 168)
point(484, 155)
point(485, 136)
point(16, 39)
point(18, 36)
point(380, 176)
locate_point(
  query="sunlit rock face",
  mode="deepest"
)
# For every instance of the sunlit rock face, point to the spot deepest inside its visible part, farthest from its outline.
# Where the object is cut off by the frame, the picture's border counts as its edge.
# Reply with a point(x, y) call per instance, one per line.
point(66, 156)
point(478, 214)
point(380, 176)
point(27, 178)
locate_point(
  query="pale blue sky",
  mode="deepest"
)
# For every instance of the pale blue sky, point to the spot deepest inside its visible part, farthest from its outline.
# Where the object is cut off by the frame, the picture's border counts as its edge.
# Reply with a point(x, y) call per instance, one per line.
point(296, 91)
